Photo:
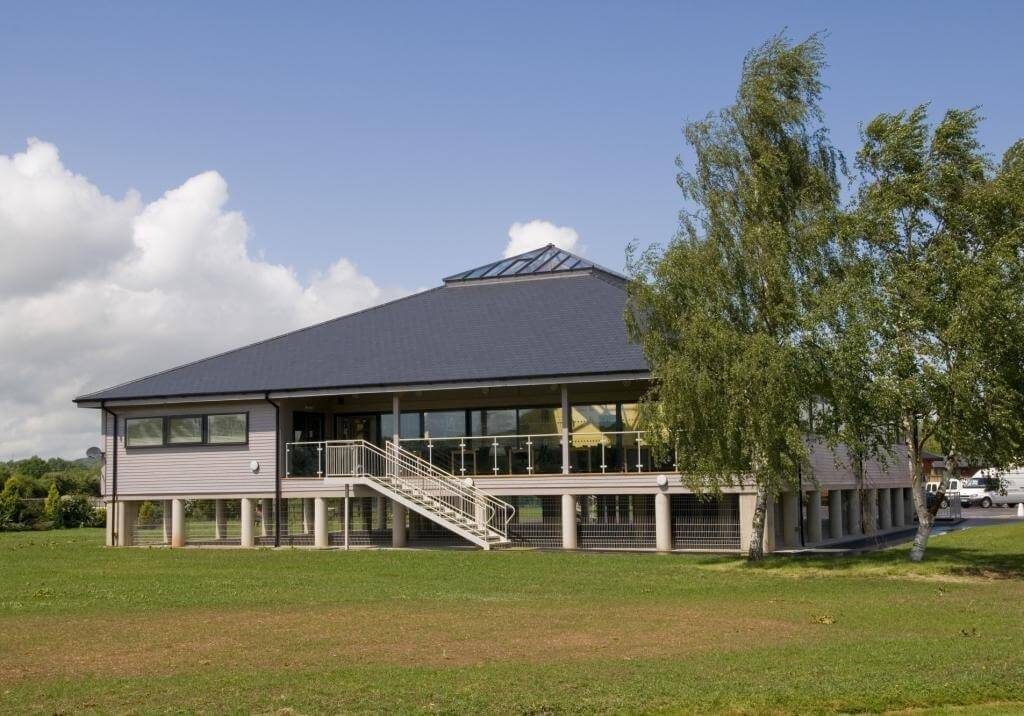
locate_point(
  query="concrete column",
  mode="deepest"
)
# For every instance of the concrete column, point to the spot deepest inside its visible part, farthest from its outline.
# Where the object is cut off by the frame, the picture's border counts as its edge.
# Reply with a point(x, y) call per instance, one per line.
point(167, 521)
point(566, 423)
point(247, 519)
point(382, 508)
point(770, 525)
point(398, 532)
point(320, 522)
point(899, 514)
point(569, 521)
point(127, 516)
point(871, 521)
point(307, 515)
point(814, 517)
point(220, 521)
point(266, 524)
point(910, 512)
point(791, 520)
point(853, 510)
point(663, 522)
point(110, 524)
point(885, 508)
point(396, 415)
point(177, 523)
point(835, 513)
point(748, 502)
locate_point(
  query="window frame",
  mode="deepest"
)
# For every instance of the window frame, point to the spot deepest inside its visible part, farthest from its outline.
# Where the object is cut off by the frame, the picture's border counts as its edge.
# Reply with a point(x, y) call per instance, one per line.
point(165, 431)
point(206, 428)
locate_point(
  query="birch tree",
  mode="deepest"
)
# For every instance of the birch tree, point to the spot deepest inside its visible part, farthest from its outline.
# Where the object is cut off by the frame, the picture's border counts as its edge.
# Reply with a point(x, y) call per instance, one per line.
point(722, 312)
point(939, 241)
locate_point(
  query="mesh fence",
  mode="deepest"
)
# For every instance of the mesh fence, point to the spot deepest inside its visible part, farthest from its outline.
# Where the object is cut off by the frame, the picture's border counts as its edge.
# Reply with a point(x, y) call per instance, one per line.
point(213, 522)
point(369, 522)
point(614, 522)
point(537, 521)
point(705, 524)
point(152, 525)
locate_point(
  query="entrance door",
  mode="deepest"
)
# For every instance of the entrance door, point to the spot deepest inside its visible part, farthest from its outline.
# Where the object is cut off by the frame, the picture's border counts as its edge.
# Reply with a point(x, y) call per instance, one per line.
point(305, 460)
point(357, 427)
point(307, 427)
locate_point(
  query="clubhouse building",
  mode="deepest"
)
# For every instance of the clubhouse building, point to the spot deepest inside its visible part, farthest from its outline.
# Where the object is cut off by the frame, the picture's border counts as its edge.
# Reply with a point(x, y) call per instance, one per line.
point(496, 410)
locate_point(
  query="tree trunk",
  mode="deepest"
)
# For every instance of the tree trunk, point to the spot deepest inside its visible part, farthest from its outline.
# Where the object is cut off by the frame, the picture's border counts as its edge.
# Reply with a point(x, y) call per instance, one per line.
point(868, 518)
point(757, 528)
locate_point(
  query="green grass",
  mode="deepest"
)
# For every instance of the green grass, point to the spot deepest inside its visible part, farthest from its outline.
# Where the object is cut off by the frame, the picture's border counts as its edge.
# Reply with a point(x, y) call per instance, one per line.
point(142, 630)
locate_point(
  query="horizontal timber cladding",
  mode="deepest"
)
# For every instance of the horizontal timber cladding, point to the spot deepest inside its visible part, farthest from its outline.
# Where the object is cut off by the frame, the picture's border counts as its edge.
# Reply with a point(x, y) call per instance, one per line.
point(194, 470)
point(834, 468)
point(705, 523)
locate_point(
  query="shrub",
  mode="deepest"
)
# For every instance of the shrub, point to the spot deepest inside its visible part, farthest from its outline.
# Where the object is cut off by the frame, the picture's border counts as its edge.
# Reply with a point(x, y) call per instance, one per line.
point(77, 511)
point(53, 508)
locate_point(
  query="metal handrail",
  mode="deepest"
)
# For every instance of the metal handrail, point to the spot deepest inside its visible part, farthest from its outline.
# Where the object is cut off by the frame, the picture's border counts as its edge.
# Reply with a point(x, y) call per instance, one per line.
point(605, 440)
point(402, 471)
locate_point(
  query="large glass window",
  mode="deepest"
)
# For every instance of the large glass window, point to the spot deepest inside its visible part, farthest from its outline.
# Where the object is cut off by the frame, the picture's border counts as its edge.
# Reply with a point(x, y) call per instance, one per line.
point(144, 432)
point(226, 429)
point(539, 421)
point(444, 423)
point(594, 418)
point(185, 430)
point(493, 422)
point(410, 426)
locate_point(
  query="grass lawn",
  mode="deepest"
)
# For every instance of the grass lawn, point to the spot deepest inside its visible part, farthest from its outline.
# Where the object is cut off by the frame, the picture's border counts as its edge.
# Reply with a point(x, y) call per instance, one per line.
point(86, 628)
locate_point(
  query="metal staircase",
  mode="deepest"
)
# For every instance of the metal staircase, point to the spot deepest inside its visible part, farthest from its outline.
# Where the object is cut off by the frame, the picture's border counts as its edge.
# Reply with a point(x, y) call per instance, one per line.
point(455, 504)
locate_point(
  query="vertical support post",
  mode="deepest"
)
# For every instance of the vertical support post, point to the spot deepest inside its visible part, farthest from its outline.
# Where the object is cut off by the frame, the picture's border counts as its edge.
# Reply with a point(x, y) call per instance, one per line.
point(382, 508)
point(835, 513)
point(771, 524)
point(569, 521)
point(123, 538)
point(319, 522)
point(662, 522)
point(885, 508)
point(398, 534)
point(307, 515)
point(110, 524)
point(396, 415)
point(898, 513)
point(566, 423)
point(748, 501)
point(853, 510)
point(167, 521)
point(814, 517)
point(220, 521)
point(791, 519)
point(177, 523)
point(266, 508)
point(246, 517)
point(344, 519)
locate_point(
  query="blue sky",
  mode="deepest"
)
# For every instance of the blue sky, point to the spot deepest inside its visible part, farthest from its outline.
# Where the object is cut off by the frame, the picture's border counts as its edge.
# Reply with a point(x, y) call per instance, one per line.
point(409, 136)
point(209, 174)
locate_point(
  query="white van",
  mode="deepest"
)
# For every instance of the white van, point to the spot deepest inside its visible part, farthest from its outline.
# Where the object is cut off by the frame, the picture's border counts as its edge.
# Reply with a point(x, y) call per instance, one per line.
point(989, 487)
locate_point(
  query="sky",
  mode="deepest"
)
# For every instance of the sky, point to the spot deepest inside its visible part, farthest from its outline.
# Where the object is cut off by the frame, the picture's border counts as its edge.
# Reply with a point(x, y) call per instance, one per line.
point(177, 179)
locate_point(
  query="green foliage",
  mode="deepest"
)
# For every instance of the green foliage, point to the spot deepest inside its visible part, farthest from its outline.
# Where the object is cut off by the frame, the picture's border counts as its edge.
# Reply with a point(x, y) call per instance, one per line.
point(53, 508)
point(724, 313)
point(77, 511)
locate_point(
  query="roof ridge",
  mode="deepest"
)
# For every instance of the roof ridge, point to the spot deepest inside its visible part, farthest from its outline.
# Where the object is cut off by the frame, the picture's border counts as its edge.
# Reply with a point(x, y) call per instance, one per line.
point(197, 361)
point(547, 259)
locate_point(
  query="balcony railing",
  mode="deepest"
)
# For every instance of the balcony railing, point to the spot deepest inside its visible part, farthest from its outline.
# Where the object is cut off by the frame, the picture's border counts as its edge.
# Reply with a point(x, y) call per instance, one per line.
point(539, 454)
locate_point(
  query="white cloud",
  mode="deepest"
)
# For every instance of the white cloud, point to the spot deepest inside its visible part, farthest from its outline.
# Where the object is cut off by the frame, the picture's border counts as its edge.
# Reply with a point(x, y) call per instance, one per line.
point(95, 291)
point(537, 233)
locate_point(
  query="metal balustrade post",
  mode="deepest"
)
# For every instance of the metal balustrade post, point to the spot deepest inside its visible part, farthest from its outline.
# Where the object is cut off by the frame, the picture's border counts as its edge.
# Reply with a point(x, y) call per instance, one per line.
point(566, 425)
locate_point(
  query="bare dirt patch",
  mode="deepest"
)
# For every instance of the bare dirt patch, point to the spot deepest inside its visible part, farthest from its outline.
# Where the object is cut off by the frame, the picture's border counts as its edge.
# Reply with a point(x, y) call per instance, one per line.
point(175, 641)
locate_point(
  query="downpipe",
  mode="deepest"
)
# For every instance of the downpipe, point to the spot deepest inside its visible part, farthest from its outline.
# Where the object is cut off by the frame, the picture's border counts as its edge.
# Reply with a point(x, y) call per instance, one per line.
point(277, 470)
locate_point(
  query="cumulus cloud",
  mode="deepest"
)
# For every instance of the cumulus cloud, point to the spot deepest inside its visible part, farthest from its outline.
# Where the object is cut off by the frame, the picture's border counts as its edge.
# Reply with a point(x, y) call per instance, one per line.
point(95, 291)
point(537, 233)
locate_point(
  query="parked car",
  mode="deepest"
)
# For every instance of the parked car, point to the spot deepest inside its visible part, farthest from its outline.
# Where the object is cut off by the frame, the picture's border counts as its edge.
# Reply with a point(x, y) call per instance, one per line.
point(990, 487)
point(932, 488)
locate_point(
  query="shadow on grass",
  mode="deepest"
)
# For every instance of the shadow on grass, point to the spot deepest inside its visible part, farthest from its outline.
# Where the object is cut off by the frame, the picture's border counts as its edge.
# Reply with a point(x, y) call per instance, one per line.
point(1003, 558)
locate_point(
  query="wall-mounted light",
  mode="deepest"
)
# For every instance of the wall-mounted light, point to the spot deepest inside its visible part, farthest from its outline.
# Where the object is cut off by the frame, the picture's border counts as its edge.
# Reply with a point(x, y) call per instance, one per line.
point(254, 465)
point(662, 481)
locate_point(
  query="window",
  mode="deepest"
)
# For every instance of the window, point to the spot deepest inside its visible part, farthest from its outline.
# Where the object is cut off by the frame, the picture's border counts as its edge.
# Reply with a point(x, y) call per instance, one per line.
point(409, 427)
point(185, 430)
point(493, 422)
point(540, 421)
point(144, 432)
point(227, 429)
point(444, 423)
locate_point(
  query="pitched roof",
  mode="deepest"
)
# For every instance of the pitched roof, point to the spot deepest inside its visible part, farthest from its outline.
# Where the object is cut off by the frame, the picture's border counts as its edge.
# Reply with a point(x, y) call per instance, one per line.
point(537, 322)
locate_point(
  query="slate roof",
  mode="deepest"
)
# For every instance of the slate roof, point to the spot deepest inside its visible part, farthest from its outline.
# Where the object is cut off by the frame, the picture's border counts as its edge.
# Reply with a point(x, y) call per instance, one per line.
point(547, 324)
